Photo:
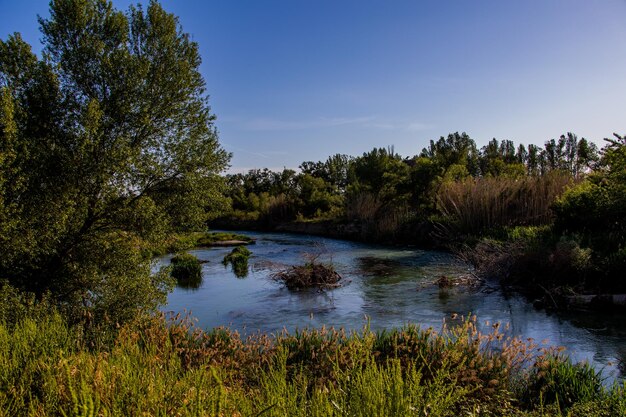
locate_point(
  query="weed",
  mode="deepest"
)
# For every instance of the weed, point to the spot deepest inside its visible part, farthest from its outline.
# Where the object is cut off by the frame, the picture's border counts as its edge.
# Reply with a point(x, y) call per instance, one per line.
point(187, 270)
point(238, 258)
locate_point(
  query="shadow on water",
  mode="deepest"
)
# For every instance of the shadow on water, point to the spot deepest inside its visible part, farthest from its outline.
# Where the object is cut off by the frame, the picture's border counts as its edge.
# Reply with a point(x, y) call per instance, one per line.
point(379, 267)
point(385, 287)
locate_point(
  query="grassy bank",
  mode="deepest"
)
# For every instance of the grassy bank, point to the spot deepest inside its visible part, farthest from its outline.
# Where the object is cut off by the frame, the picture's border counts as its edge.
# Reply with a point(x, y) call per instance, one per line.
point(154, 366)
point(178, 242)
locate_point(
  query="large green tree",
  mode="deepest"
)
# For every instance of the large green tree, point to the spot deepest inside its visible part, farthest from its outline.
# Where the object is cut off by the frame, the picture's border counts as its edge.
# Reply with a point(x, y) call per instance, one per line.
point(107, 143)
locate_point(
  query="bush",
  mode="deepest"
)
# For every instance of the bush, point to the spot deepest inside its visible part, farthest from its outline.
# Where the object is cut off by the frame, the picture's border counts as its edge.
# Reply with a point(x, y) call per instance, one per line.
point(187, 270)
point(154, 366)
point(238, 258)
point(568, 255)
point(557, 380)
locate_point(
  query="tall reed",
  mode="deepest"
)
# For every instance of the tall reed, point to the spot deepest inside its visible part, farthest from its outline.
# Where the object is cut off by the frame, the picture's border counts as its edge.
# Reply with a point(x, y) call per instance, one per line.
point(476, 205)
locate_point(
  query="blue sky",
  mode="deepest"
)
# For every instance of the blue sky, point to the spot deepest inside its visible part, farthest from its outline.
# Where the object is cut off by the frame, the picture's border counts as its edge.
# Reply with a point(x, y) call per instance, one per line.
point(296, 80)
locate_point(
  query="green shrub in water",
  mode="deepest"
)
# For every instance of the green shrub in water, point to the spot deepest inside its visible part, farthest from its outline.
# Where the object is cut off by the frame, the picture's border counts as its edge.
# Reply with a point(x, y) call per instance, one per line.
point(238, 258)
point(187, 270)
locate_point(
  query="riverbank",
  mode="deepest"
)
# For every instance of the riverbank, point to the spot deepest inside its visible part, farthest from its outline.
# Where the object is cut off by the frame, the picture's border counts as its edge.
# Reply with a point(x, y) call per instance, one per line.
point(416, 234)
point(155, 366)
point(180, 242)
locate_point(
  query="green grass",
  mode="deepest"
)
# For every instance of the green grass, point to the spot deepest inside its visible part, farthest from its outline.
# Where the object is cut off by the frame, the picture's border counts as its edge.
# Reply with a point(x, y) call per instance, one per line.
point(160, 367)
point(187, 270)
point(210, 238)
point(238, 258)
point(184, 241)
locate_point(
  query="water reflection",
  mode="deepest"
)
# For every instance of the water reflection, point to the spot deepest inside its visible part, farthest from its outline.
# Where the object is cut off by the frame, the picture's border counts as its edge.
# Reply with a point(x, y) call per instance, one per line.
point(386, 287)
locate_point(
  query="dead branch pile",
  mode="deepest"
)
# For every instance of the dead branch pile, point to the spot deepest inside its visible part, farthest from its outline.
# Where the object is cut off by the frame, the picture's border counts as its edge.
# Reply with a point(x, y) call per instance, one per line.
point(309, 275)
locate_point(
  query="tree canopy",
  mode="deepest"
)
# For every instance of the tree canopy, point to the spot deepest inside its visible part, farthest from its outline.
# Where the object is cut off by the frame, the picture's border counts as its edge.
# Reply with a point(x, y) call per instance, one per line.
point(107, 143)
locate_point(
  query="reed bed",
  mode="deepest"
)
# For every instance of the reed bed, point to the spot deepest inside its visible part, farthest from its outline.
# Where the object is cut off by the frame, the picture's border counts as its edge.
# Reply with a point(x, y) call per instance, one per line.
point(476, 205)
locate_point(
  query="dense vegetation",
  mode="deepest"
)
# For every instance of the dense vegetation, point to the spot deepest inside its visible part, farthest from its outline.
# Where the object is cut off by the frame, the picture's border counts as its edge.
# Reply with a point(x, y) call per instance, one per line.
point(238, 259)
point(109, 154)
point(107, 147)
point(153, 366)
point(551, 216)
point(384, 189)
point(186, 270)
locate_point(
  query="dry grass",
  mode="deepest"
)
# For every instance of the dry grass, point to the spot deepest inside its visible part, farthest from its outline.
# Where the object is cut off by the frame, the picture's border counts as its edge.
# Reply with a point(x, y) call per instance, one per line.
point(379, 220)
point(476, 205)
point(363, 207)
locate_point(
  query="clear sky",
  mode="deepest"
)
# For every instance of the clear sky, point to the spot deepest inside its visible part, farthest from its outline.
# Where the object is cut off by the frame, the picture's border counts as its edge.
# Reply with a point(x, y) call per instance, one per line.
point(296, 80)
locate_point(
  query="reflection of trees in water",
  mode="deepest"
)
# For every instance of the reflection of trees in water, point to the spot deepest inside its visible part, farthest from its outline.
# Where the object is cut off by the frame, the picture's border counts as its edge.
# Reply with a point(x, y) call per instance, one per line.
point(598, 336)
point(192, 285)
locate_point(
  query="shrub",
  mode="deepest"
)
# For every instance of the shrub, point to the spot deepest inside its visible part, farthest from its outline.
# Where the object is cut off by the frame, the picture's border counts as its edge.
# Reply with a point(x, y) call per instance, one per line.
point(568, 255)
point(238, 258)
point(556, 379)
point(154, 366)
point(187, 270)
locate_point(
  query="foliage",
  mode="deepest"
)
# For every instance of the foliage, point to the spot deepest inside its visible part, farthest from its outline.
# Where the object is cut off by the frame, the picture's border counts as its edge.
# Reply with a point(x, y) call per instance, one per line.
point(385, 193)
point(155, 366)
point(595, 211)
point(380, 172)
point(108, 145)
point(187, 270)
point(207, 239)
point(457, 153)
point(556, 379)
point(334, 171)
point(238, 258)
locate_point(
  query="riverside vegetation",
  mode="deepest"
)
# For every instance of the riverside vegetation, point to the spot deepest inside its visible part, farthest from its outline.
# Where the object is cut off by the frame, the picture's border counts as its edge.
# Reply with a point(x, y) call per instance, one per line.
point(187, 270)
point(548, 219)
point(98, 173)
point(157, 366)
point(238, 259)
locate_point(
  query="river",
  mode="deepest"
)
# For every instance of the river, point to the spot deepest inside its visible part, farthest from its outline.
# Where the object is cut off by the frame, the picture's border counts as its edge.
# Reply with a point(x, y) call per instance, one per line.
point(384, 287)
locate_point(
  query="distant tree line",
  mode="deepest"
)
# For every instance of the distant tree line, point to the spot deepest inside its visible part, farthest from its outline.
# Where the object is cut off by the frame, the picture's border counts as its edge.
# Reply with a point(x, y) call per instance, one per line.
point(381, 176)
point(558, 211)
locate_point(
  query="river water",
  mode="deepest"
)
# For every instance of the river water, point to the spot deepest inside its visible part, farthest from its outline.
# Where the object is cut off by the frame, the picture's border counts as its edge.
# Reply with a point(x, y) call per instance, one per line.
point(384, 287)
